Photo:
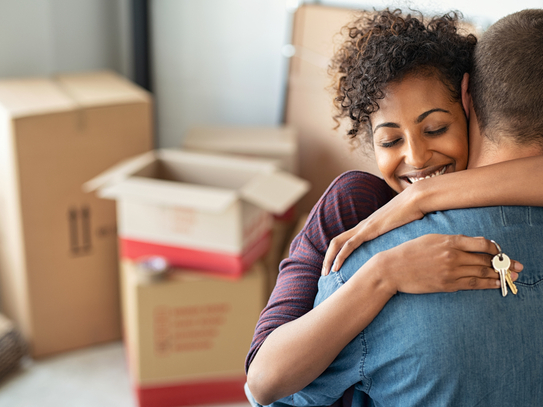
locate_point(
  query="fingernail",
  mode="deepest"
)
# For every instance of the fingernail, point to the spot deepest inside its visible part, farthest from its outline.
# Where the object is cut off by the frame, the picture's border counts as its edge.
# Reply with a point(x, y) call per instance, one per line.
point(514, 276)
point(517, 266)
point(498, 283)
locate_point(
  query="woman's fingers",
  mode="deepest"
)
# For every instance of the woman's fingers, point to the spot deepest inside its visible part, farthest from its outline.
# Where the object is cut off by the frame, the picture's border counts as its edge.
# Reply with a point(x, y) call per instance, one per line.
point(446, 263)
point(472, 244)
point(479, 283)
point(336, 245)
point(333, 249)
point(349, 247)
point(473, 271)
point(342, 246)
point(516, 266)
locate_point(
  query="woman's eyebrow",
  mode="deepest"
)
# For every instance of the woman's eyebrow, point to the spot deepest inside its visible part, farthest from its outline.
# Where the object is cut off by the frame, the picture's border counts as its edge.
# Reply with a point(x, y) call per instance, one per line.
point(387, 124)
point(417, 121)
point(425, 114)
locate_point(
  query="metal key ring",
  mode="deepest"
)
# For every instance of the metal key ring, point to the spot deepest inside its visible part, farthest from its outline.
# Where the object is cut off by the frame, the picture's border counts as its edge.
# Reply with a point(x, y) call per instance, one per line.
point(499, 249)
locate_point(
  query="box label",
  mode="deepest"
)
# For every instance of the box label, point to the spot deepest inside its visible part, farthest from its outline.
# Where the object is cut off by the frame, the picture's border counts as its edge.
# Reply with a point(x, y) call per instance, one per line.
point(188, 328)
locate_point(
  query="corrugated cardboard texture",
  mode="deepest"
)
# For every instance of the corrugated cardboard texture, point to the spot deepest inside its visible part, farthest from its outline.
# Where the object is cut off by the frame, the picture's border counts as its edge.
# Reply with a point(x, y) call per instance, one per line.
point(324, 152)
point(59, 266)
point(189, 326)
point(279, 143)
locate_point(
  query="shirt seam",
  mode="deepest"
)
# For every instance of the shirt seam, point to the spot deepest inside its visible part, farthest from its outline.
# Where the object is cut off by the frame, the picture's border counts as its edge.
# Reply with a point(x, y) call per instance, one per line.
point(366, 381)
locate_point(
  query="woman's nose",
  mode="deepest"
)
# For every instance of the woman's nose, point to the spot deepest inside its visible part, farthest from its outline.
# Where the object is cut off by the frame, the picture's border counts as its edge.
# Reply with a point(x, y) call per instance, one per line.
point(417, 153)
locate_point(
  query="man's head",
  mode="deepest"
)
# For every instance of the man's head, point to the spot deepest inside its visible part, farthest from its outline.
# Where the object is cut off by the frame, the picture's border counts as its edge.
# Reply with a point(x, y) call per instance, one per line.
point(506, 83)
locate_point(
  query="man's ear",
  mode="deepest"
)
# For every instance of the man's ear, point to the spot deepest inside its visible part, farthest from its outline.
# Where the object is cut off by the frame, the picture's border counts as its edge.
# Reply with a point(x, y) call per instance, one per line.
point(466, 96)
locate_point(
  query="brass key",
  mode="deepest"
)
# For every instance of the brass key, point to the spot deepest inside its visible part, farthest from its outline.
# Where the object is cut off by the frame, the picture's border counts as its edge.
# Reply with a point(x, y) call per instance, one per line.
point(510, 283)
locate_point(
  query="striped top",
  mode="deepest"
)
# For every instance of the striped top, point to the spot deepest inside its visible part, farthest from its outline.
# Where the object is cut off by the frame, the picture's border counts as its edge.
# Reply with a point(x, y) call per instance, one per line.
point(351, 197)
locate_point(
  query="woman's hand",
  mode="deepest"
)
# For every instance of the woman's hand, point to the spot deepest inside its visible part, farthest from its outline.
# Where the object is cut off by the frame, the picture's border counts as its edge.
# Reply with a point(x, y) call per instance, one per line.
point(441, 263)
point(402, 209)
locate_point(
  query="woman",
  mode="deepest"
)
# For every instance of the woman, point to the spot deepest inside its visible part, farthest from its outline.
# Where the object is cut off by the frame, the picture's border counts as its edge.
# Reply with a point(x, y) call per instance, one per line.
point(400, 84)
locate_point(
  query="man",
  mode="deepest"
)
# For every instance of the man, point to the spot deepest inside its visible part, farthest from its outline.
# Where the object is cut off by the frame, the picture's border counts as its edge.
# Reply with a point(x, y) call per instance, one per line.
point(470, 347)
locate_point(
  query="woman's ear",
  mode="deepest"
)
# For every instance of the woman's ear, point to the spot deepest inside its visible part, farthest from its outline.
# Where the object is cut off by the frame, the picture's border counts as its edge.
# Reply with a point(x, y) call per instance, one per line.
point(466, 96)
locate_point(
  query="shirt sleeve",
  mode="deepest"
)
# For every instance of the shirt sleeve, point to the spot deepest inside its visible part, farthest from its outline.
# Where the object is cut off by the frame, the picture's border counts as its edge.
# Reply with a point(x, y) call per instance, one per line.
point(351, 197)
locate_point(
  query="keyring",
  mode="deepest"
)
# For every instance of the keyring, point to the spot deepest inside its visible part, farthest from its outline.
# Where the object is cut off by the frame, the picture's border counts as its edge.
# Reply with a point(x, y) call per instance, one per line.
point(499, 249)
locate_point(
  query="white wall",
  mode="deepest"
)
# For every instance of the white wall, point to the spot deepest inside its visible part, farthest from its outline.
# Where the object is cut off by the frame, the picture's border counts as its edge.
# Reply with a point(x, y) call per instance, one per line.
point(217, 62)
point(220, 61)
point(42, 37)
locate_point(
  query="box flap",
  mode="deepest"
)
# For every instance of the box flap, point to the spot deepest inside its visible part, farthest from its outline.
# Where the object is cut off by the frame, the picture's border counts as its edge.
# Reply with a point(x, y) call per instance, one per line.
point(159, 192)
point(218, 160)
point(245, 140)
point(120, 171)
point(100, 88)
point(28, 97)
point(275, 192)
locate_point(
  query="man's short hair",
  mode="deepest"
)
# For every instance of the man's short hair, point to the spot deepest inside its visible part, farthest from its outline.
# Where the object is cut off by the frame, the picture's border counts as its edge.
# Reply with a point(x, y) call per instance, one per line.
point(507, 79)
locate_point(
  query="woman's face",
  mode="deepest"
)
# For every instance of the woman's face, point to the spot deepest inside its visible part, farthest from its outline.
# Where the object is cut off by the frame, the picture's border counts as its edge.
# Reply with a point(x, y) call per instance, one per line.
point(418, 132)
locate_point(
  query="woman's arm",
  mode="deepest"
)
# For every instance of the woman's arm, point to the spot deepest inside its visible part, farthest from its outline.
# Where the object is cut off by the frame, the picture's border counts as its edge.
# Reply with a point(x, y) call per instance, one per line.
point(515, 182)
point(353, 196)
point(296, 353)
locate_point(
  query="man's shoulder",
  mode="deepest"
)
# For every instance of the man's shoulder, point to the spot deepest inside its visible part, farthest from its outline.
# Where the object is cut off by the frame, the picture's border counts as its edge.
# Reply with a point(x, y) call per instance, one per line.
point(505, 222)
point(484, 217)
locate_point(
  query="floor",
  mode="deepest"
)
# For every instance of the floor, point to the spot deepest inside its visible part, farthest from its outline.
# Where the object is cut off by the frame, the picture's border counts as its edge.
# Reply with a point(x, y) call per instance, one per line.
point(91, 377)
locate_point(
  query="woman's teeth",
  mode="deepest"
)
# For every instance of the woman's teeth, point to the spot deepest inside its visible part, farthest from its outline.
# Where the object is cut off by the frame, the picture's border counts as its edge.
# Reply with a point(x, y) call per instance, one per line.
point(438, 172)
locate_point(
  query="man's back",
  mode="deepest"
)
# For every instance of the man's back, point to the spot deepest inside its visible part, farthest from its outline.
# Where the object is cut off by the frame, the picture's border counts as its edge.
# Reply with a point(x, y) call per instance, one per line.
point(470, 348)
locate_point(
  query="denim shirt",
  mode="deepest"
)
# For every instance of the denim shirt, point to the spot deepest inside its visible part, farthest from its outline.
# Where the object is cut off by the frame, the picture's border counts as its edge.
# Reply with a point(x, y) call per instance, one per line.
point(469, 348)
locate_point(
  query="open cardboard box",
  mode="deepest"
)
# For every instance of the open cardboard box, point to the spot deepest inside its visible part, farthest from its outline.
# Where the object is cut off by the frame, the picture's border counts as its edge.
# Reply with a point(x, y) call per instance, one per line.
point(187, 334)
point(206, 211)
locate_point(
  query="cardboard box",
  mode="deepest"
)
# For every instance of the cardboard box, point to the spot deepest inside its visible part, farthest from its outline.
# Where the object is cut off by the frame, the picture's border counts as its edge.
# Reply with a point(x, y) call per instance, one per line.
point(187, 335)
point(325, 153)
point(58, 245)
point(279, 143)
point(204, 211)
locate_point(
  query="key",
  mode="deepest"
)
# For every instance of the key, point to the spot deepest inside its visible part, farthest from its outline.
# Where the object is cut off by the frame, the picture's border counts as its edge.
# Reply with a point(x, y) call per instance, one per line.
point(507, 261)
point(504, 260)
point(501, 263)
point(500, 267)
point(510, 283)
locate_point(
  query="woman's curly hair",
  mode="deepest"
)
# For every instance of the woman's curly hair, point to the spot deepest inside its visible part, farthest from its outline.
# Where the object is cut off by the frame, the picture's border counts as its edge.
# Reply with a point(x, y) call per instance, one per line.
point(384, 47)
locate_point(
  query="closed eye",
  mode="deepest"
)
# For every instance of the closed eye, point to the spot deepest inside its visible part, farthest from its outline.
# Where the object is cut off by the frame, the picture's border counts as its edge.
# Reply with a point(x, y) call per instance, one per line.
point(437, 132)
point(388, 144)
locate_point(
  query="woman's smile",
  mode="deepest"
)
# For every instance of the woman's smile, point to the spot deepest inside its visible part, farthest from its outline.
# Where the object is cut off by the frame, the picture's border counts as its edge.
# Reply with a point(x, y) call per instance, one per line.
point(412, 178)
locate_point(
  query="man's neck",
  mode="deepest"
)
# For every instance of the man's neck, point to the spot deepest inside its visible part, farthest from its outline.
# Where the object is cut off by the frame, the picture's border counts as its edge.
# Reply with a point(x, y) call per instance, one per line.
point(492, 153)
point(484, 151)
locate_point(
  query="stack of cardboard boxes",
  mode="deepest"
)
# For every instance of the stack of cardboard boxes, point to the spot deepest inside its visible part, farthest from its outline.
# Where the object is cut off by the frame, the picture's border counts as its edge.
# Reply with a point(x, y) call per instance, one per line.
point(219, 222)
point(210, 218)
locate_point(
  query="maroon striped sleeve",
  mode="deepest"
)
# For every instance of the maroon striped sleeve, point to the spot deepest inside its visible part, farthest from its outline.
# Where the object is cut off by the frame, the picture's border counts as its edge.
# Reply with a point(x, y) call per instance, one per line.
point(351, 197)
